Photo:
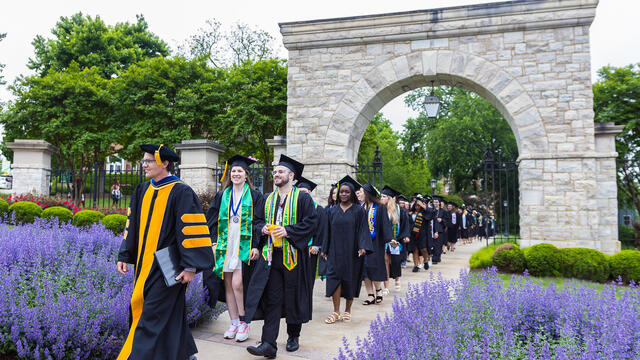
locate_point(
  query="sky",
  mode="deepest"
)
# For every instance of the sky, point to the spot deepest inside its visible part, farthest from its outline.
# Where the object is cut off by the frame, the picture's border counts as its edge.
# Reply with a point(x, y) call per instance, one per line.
point(614, 33)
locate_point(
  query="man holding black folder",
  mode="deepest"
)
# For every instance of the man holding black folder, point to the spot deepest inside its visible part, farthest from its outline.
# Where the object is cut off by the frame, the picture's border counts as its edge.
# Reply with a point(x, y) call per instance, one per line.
point(167, 240)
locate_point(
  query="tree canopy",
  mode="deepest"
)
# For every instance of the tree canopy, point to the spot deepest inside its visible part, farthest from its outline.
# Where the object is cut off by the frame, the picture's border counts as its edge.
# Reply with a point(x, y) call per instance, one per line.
point(2, 81)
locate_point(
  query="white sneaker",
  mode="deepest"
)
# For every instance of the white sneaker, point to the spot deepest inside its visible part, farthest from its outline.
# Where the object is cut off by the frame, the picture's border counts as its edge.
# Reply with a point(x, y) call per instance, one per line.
point(420, 266)
point(430, 263)
point(243, 332)
point(385, 292)
point(231, 332)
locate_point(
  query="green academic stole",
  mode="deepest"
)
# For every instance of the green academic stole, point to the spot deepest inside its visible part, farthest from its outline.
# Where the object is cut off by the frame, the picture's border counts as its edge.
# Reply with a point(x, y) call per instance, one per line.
point(246, 226)
point(290, 254)
point(396, 226)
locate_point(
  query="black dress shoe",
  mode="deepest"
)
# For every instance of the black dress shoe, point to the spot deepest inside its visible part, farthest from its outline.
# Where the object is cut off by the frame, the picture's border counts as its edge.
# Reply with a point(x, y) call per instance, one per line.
point(415, 269)
point(264, 349)
point(292, 344)
point(426, 266)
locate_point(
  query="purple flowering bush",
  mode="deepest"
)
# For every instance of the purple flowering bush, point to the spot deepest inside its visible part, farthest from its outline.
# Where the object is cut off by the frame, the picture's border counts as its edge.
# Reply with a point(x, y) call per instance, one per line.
point(60, 295)
point(476, 317)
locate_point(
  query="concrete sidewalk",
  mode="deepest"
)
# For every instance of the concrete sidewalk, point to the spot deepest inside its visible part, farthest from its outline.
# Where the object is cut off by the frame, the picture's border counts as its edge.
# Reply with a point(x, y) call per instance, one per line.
point(319, 340)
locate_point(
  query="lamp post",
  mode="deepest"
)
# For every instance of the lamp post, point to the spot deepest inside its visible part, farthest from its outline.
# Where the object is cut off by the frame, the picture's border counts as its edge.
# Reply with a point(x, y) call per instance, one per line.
point(432, 104)
point(434, 182)
point(506, 206)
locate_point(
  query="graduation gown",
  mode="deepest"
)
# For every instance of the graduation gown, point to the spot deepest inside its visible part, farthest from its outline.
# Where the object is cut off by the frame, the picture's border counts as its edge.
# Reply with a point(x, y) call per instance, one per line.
point(375, 267)
point(347, 233)
point(297, 301)
point(160, 215)
point(452, 229)
point(212, 282)
point(318, 240)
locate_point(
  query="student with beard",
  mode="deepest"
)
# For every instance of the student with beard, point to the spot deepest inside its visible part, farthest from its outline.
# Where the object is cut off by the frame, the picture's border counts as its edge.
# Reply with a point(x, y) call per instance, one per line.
point(345, 246)
point(400, 229)
point(235, 223)
point(438, 227)
point(280, 281)
point(381, 233)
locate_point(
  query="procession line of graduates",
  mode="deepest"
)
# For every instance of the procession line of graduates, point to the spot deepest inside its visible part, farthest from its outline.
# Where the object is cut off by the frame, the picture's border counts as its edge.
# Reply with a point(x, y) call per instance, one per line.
point(260, 253)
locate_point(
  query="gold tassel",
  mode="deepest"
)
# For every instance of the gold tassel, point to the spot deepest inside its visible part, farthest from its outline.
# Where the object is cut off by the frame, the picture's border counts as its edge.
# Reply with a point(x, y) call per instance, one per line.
point(224, 173)
point(157, 155)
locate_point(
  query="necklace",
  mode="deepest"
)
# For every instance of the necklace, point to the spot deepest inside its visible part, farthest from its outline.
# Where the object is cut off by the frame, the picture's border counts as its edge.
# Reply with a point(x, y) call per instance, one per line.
point(234, 209)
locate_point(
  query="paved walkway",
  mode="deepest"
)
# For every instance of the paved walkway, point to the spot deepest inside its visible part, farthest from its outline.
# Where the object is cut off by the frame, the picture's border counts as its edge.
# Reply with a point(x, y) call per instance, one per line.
point(319, 340)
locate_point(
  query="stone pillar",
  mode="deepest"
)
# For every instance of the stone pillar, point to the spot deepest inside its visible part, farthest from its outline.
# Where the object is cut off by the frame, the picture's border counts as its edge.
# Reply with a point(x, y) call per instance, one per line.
point(31, 168)
point(199, 163)
point(279, 145)
point(606, 186)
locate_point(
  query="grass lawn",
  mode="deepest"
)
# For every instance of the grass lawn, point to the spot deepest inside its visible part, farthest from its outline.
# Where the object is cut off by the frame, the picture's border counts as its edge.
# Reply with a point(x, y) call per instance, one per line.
point(559, 283)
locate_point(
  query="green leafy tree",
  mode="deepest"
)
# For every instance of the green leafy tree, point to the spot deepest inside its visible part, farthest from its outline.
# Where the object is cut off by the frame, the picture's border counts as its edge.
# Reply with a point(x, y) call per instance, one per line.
point(616, 98)
point(406, 174)
point(454, 144)
point(2, 82)
point(165, 101)
point(89, 42)
point(255, 102)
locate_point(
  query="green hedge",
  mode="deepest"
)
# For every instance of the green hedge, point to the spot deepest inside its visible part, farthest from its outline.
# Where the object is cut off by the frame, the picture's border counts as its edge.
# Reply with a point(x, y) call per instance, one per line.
point(509, 258)
point(86, 218)
point(481, 259)
point(63, 214)
point(544, 260)
point(25, 211)
point(586, 264)
point(115, 223)
point(4, 207)
point(626, 264)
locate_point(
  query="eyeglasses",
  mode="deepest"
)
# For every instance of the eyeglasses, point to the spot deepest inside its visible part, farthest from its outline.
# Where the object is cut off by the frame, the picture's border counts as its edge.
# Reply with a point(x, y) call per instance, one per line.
point(146, 162)
point(274, 172)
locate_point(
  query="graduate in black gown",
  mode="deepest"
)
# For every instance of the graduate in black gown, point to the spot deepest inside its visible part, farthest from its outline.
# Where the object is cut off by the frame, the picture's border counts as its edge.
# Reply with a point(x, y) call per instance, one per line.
point(452, 221)
point(344, 248)
point(438, 229)
point(164, 212)
point(332, 201)
point(381, 233)
point(236, 205)
point(280, 282)
point(400, 228)
point(421, 242)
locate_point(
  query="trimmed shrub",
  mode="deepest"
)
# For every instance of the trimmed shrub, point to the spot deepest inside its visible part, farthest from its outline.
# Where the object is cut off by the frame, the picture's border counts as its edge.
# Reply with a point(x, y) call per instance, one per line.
point(586, 264)
point(4, 207)
point(63, 214)
point(87, 217)
point(626, 264)
point(509, 258)
point(25, 211)
point(481, 259)
point(115, 223)
point(544, 260)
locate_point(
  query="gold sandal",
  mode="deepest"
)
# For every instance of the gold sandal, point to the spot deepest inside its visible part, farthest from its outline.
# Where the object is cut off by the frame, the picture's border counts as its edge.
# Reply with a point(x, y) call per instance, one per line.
point(346, 317)
point(332, 318)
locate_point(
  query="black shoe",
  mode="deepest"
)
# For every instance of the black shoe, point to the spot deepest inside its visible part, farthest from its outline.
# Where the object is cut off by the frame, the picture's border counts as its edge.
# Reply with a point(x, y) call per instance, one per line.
point(415, 269)
point(292, 344)
point(264, 349)
point(426, 266)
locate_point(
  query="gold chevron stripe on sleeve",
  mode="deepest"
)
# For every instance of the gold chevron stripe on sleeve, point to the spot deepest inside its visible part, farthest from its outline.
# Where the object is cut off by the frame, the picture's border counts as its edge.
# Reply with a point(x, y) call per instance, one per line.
point(196, 230)
point(196, 242)
point(193, 218)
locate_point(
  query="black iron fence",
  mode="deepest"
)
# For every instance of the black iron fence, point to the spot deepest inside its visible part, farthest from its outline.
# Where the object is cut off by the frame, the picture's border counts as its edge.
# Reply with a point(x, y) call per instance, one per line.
point(501, 196)
point(371, 173)
point(101, 188)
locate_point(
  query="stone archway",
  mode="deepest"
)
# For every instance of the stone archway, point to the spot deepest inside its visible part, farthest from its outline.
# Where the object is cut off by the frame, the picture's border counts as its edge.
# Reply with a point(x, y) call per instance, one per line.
point(529, 58)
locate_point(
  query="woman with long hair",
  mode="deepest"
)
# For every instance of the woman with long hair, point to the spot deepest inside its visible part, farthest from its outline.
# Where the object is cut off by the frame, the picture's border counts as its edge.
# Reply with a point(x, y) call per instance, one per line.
point(400, 229)
point(235, 224)
point(344, 249)
point(381, 233)
point(333, 196)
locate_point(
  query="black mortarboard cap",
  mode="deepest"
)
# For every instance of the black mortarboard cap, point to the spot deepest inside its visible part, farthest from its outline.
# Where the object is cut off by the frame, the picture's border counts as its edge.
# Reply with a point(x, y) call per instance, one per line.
point(389, 191)
point(370, 189)
point(292, 165)
point(163, 152)
point(351, 182)
point(239, 160)
point(402, 198)
point(306, 183)
point(439, 198)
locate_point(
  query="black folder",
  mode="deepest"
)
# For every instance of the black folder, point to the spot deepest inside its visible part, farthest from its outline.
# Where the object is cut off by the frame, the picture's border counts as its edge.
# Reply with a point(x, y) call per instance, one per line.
point(169, 261)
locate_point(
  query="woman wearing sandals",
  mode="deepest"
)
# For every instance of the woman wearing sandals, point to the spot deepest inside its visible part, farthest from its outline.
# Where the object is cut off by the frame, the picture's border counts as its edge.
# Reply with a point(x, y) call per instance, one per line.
point(400, 226)
point(380, 230)
point(235, 228)
point(344, 248)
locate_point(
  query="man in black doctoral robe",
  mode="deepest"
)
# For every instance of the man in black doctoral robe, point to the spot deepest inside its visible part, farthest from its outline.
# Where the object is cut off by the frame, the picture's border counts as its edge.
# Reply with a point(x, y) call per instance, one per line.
point(163, 212)
point(280, 283)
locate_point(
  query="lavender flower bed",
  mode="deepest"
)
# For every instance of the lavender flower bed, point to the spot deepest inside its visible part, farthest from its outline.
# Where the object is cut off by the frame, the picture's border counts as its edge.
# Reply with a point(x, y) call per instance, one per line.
point(477, 318)
point(60, 296)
